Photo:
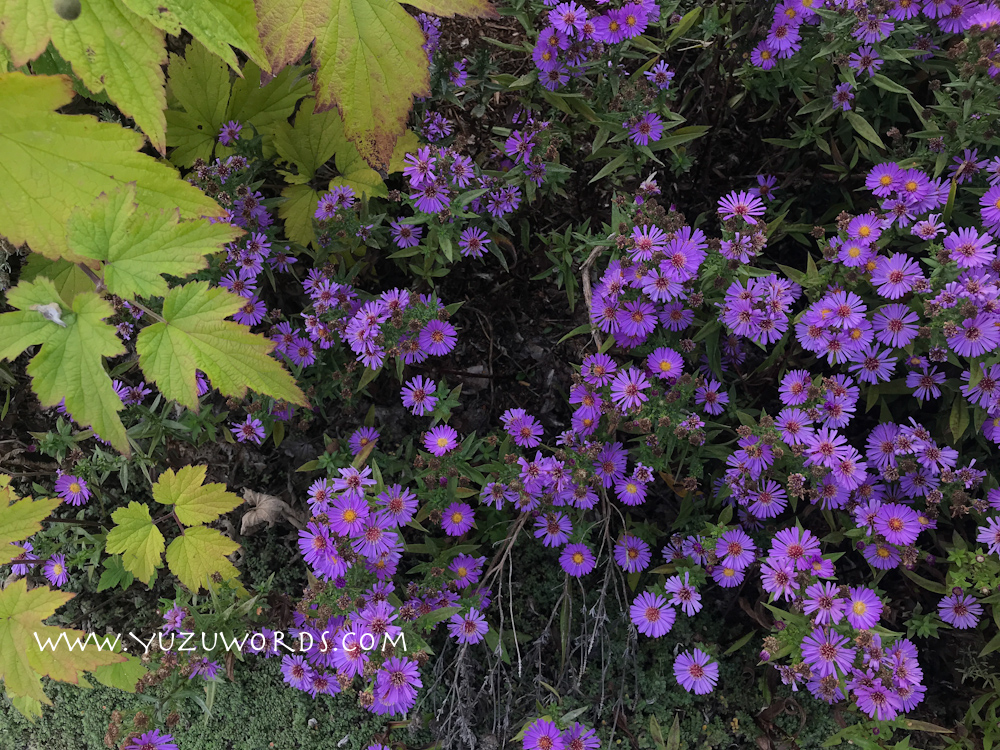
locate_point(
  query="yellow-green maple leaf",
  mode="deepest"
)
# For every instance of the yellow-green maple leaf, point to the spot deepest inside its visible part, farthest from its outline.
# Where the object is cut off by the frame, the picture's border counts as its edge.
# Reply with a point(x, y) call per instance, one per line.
point(198, 553)
point(137, 248)
point(19, 518)
point(194, 501)
point(109, 47)
point(69, 365)
point(137, 539)
point(369, 58)
point(217, 24)
point(50, 164)
point(195, 335)
point(201, 101)
point(69, 279)
point(22, 662)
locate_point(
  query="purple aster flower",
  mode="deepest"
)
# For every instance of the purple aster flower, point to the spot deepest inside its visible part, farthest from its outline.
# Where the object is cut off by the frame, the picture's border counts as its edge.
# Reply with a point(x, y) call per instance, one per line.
point(683, 594)
point(651, 615)
point(458, 518)
point(252, 429)
point(405, 235)
point(743, 205)
point(925, 383)
point(795, 545)
point(431, 198)
point(842, 97)
point(21, 568)
point(710, 395)
point(822, 600)
point(598, 369)
point(665, 363)
point(695, 672)
point(632, 554)
point(553, 529)
point(72, 490)
point(251, 313)
point(960, 610)
point(735, 549)
point(543, 735)
point(627, 389)
point(229, 133)
point(301, 352)
point(969, 249)
point(990, 535)
point(361, 438)
point(660, 75)
point(151, 741)
point(438, 337)
point(778, 578)
point(473, 242)
point(440, 440)
point(866, 60)
point(878, 701)
point(55, 570)
point(418, 395)
point(647, 128)
point(873, 29)
point(883, 179)
point(470, 628)
point(764, 55)
point(864, 608)
point(894, 325)
point(577, 559)
point(825, 652)
point(976, 336)
point(989, 206)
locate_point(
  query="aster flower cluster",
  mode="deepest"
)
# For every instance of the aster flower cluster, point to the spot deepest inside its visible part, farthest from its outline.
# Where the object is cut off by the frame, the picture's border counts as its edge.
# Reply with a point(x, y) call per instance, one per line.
point(873, 24)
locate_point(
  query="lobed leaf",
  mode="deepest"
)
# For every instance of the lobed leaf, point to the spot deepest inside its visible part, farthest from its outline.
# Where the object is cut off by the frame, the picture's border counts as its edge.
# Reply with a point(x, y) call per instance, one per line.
point(199, 553)
point(196, 336)
point(138, 248)
point(137, 539)
point(69, 365)
point(194, 501)
point(54, 163)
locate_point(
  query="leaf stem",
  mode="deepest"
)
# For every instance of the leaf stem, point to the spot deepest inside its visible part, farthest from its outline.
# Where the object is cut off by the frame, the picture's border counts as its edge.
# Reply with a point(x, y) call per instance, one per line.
point(99, 283)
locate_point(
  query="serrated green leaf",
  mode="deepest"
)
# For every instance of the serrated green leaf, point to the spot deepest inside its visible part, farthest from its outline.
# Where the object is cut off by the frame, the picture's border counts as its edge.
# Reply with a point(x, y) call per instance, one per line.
point(199, 553)
point(68, 278)
point(123, 676)
point(54, 163)
point(114, 574)
point(22, 662)
point(217, 24)
point(19, 518)
point(194, 501)
point(136, 538)
point(69, 365)
point(196, 336)
point(109, 47)
point(297, 212)
point(136, 249)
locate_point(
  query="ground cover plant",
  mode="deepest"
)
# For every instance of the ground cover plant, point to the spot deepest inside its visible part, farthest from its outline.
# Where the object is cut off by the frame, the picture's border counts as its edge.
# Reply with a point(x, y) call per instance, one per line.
point(532, 374)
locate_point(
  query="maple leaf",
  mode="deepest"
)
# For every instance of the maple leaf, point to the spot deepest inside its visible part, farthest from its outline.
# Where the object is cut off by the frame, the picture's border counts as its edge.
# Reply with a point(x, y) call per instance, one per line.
point(137, 539)
point(217, 24)
point(19, 518)
point(138, 248)
point(194, 501)
point(22, 661)
point(195, 335)
point(109, 48)
point(369, 59)
point(69, 364)
point(316, 138)
point(54, 163)
point(201, 101)
point(199, 553)
point(69, 279)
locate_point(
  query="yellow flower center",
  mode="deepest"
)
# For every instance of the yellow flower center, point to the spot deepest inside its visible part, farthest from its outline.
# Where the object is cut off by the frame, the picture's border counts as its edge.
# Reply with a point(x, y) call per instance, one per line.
point(666, 366)
point(859, 608)
point(350, 515)
point(885, 180)
point(57, 569)
point(462, 572)
point(442, 442)
point(456, 518)
point(854, 251)
point(578, 557)
point(865, 230)
point(74, 487)
point(631, 488)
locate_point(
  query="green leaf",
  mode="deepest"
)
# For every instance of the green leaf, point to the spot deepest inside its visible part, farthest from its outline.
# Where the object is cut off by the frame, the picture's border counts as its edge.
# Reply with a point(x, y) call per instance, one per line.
point(123, 676)
point(136, 538)
point(888, 84)
point(863, 128)
point(68, 278)
point(69, 364)
point(196, 336)
point(740, 643)
point(109, 48)
point(369, 58)
point(297, 212)
point(610, 167)
point(217, 24)
point(932, 586)
point(137, 249)
point(19, 519)
point(22, 662)
point(194, 501)
point(958, 420)
point(114, 574)
point(199, 553)
point(54, 163)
